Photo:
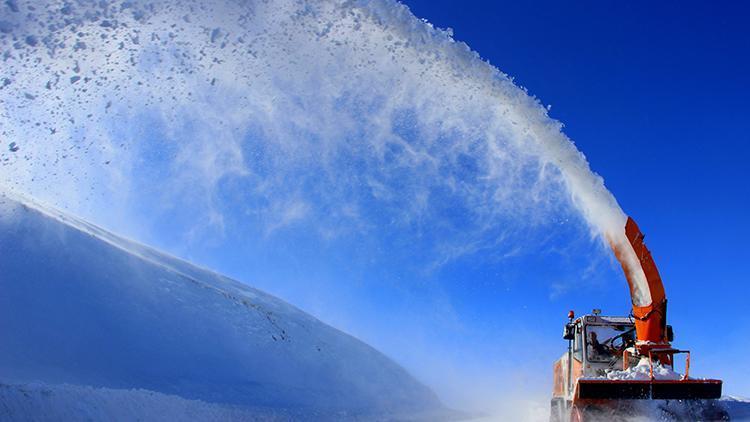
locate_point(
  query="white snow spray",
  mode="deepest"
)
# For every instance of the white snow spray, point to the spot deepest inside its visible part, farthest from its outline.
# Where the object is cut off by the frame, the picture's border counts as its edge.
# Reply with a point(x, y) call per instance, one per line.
point(302, 85)
point(343, 116)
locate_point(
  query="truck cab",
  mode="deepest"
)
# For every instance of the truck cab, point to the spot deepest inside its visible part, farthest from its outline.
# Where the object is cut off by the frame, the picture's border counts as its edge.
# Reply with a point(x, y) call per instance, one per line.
point(596, 344)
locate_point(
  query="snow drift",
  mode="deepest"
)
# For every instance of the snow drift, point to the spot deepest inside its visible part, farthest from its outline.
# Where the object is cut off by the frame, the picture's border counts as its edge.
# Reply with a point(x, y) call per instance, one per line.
point(84, 307)
point(40, 402)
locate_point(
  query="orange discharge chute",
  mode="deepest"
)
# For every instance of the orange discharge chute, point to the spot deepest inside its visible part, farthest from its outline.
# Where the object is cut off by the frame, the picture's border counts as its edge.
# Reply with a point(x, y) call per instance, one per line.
point(651, 319)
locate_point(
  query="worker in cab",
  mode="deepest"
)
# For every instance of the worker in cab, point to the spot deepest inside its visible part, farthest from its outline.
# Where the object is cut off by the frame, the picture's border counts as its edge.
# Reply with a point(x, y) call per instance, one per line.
point(596, 349)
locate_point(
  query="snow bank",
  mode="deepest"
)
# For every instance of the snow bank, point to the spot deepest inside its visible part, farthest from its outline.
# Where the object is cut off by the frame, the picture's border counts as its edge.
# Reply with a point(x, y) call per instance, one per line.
point(82, 306)
point(40, 402)
point(37, 402)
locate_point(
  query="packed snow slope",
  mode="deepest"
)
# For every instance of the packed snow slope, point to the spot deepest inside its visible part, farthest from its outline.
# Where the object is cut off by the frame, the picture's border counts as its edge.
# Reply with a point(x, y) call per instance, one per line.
point(41, 403)
point(81, 306)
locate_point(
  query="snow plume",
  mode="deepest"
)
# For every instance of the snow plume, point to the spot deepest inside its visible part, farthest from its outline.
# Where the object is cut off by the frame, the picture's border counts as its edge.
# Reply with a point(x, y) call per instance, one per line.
point(315, 111)
point(254, 121)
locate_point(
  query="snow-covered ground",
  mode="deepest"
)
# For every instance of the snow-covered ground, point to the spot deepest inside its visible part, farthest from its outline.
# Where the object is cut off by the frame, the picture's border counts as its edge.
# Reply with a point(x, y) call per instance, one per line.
point(538, 411)
point(100, 325)
point(40, 402)
point(738, 408)
point(36, 402)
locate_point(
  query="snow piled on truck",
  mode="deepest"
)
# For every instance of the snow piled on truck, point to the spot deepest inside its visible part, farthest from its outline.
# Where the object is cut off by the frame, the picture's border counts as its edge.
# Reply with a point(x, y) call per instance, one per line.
point(83, 307)
point(642, 371)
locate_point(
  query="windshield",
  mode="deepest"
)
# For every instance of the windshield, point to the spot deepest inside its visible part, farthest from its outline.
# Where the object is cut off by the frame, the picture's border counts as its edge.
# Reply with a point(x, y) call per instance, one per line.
point(604, 342)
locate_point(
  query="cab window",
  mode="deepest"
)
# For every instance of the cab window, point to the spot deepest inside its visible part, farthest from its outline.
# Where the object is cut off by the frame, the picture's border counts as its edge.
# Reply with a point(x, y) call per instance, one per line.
point(578, 344)
point(603, 343)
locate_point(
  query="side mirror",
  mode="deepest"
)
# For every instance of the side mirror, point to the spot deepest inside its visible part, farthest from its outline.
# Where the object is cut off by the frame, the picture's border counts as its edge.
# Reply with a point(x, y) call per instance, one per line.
point(670, 334)
point(569, 332)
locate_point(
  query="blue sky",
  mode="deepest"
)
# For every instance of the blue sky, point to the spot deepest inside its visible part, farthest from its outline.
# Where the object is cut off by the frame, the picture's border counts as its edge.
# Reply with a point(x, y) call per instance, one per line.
point(655, 95)
point(372, 172)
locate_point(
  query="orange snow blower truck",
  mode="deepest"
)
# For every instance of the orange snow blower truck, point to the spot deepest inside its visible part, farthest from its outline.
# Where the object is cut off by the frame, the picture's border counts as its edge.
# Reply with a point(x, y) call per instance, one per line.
point(620, 367)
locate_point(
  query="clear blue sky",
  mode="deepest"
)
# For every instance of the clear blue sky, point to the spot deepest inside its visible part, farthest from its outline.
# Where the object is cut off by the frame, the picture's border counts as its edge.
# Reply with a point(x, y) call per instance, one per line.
point(656, 95)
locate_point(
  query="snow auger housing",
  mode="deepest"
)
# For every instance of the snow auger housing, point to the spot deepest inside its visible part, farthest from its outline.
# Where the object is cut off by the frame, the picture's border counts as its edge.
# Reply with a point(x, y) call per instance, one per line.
point(627, 364)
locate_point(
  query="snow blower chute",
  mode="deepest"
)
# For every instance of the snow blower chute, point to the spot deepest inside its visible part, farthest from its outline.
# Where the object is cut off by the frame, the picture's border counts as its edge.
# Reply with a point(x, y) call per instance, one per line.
point(625, 366)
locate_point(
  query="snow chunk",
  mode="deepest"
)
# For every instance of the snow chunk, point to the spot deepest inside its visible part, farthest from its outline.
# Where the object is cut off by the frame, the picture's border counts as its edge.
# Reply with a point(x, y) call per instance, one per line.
point(12, 5)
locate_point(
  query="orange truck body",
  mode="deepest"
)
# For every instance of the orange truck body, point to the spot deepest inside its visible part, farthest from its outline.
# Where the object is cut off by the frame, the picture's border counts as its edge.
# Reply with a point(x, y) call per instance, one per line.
point(650, 320)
